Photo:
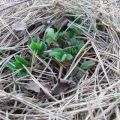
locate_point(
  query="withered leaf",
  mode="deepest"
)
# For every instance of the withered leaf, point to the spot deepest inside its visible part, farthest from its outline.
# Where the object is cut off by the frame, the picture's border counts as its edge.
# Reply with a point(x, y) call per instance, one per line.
point(62, 86)
point(32, 86)
point(19, 26)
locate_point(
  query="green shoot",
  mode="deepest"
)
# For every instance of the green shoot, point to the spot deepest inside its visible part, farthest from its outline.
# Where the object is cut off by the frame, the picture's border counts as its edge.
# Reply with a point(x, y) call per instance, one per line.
point(60, 55)
point(50, 36)
point(38, 47)
point(17, 64)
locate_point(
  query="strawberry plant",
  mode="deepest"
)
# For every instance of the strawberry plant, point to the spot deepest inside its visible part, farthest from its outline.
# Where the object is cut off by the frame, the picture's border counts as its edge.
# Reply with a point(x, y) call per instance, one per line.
point(18, 64)
point(61, 46)
point(38, 47)
point(60, 55)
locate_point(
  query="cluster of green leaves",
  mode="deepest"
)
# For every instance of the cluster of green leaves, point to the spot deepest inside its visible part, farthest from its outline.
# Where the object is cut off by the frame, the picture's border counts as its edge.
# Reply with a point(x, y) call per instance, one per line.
point(18, 64)
point(75, 43)
point(62, 46)
point(51, 37)
point(60, 55)
point(38, 47)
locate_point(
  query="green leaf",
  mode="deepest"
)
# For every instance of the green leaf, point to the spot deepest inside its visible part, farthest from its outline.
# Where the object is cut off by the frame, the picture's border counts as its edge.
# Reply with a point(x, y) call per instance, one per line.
point(42, 47)
point(73, 41)
point(2, 53)
point(50, 36)
point(11, 66)
point(18, 65)
point(73, 50)
point(87, 64)
point(76, 31)
point(34, 46)
point(60, 39)
point(50, 32)
point(81, 43)
point(76, 45)
point(57, 51)
point(76, 42)
point(63, 58)
point(22, 73)
point(60, 55)
point(69, 57)
point(20, 60)
point(38, 47)
point(70, 34)
point(60, 36)
point(33, 39)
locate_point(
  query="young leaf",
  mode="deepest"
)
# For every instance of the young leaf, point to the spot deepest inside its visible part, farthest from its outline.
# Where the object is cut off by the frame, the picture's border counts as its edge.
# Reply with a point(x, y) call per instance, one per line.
point(60, 55)
point(38, 47)
point(57, 51)
point(76, 42)
point(70, 34)
point(87, 64)
point(76, 45)
point(22, 73)
point(11, 66)
point(63, 58)
point(42, 48)
point(74, 29)
point(50, 32)
point(34, 46)
point(60, 39)
point(50, 36)
point(21, 60)
point(69, 57)
point(18, 65)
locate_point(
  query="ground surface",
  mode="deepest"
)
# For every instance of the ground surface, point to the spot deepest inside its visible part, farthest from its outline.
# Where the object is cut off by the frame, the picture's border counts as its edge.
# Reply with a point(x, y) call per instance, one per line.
point(96, 95)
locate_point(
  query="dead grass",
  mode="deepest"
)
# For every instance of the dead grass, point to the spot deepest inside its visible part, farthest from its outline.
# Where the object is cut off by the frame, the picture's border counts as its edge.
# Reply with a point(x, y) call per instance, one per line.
point(96, 97)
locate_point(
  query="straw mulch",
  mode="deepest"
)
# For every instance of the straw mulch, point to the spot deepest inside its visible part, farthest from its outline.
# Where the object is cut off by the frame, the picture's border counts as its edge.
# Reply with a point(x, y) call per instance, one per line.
point(96, 97)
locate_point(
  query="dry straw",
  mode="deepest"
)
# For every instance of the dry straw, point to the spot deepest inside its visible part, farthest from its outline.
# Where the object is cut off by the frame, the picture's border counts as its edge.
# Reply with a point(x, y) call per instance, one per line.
point(96, 97)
